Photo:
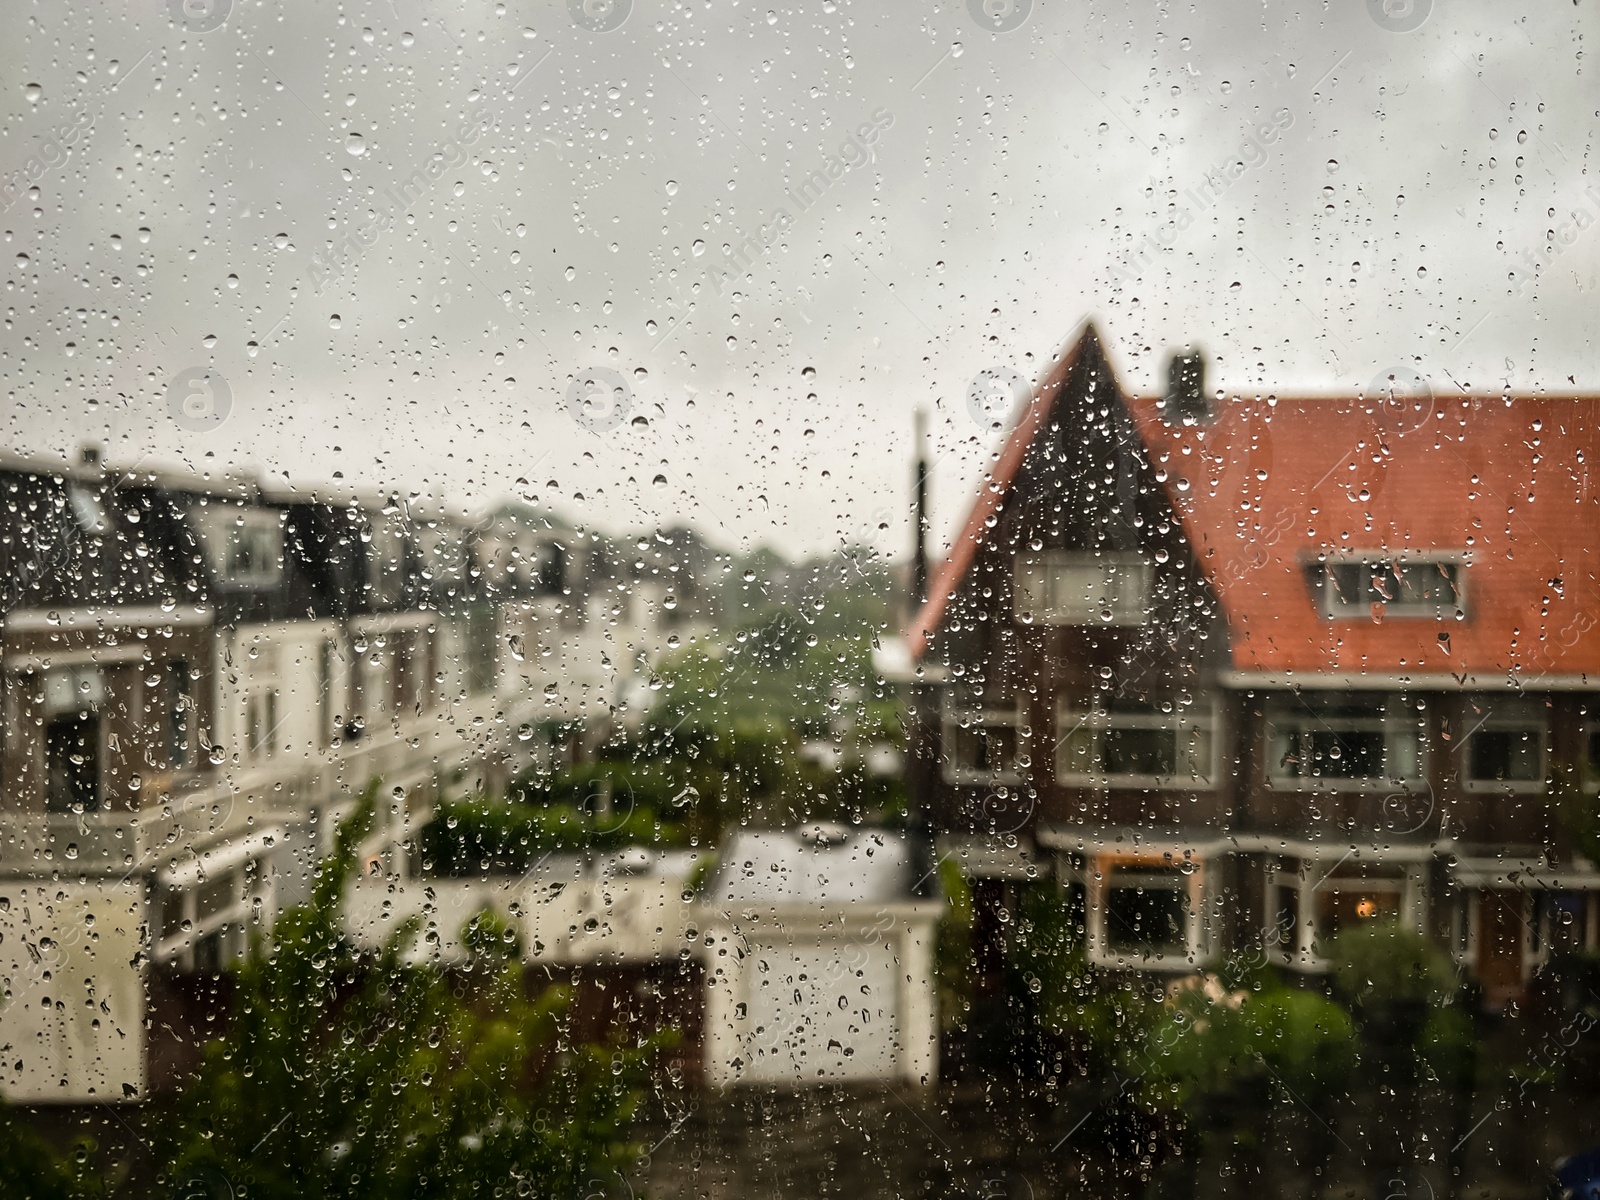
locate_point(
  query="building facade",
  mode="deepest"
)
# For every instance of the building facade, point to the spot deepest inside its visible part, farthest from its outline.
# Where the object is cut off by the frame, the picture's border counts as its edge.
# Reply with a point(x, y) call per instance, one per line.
point(200, 678)
point(1240, 672)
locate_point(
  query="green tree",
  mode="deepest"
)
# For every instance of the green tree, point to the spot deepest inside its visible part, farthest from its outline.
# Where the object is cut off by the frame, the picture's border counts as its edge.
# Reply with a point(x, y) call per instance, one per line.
point(347, 1076)
point(30, 1166)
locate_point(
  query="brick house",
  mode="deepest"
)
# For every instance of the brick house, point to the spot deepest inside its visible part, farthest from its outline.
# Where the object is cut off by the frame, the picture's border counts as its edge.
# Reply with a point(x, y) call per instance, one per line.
point(1242, 671)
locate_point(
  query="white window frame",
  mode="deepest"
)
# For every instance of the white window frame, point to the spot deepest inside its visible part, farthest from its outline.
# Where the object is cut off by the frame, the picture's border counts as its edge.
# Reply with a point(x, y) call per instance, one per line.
point(1308, 881)
point(1039, 595)
point(1589, 762)
point(1102, 877)
point(178, 948)
point(1517, 717)
point(222, 527)
point(386, 577)
point(1464, 927)
point(952, 716)
point(1398, 714)
point(1097, 719)
point(261, 728)
point(1336, 607)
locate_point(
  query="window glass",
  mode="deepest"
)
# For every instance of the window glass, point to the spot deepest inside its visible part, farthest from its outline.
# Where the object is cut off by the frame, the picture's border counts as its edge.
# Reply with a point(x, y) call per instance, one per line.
point(245, 548)
point(1396, 587)
point(1345, 740)
point(639, 599)
point(986, 745)
point(1079, 589)
point(1131, 743)
point(1147, 913)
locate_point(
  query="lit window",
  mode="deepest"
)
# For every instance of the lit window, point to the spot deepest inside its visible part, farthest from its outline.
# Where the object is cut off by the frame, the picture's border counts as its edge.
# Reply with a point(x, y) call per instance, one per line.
point(1135, 745)
point(1404, 587)
point(1309, 907)
point(1081, 589)
point(1345, 742)
point(1343, 903)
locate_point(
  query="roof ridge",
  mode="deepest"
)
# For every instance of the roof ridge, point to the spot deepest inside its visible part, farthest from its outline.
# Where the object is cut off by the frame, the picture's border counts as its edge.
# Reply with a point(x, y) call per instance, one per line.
point(1030, 418)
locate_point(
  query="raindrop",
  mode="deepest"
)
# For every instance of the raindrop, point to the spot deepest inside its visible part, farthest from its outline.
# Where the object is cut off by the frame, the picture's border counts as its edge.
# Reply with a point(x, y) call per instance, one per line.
point(354, 145)
point(333, 321)
point(672, 187)
point(33, 92)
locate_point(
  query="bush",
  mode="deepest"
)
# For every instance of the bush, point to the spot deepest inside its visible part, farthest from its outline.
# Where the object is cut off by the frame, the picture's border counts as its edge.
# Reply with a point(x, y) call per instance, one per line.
point(1092, 1017)
point(1448, 1047)
point(511, 837)
point(346, 1076)
point(953, 965)
point(1381, 962)
point(1214, 1044)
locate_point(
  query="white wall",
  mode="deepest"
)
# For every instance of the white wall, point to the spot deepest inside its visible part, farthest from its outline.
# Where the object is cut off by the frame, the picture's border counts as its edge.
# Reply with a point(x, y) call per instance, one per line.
point(807, 995)
point(67, 1040)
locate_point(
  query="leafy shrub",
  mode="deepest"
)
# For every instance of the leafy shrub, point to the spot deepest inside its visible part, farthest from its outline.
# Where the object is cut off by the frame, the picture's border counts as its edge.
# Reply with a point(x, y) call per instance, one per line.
point(346, 1076)
point(953, 965)
point(1381, 962)
point(510, 836)
point(1448, 1047)
point(1213, 1044)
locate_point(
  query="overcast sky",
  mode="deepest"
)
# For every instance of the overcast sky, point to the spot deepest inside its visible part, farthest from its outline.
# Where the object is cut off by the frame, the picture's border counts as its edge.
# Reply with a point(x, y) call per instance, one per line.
point(1312, 194)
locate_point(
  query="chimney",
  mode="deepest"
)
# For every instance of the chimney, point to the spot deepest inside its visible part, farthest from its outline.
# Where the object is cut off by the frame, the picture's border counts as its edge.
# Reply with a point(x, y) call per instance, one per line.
point(89, 456)
point(919, 546)
point(1186, 400)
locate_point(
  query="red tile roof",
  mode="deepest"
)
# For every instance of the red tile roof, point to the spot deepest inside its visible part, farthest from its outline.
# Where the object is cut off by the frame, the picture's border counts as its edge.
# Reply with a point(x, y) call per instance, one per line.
point(1275, 482)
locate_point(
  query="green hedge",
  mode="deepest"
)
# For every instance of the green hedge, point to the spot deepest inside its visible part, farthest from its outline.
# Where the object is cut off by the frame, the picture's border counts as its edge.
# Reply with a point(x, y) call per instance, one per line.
point(469, 837)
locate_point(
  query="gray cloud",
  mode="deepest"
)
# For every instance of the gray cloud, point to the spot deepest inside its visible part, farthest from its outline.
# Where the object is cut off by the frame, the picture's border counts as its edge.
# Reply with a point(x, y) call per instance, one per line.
point(582, 229)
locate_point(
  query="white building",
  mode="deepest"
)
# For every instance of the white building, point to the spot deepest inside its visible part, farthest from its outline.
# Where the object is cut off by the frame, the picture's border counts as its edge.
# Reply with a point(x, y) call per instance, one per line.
point(819, 954)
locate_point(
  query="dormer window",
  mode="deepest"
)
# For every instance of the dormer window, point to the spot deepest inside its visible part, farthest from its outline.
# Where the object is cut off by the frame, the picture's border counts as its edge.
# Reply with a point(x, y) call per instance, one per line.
point(1068, 588)
point(1410, 586)
point(245, 545)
